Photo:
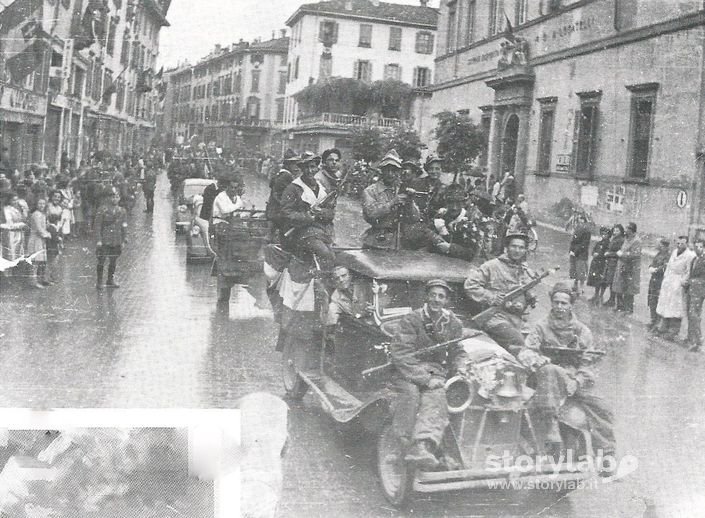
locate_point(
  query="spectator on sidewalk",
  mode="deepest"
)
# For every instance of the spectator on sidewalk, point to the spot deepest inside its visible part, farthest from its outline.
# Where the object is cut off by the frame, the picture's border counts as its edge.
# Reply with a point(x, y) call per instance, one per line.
point(628, 275)
point(579, 249)
point(54, 211)
point(111, 234)
point(36, 244)
point(672, 299)
point(149, 185)
point(611, 260)
point(696, 296)
point(598, 265)
point(13, 227)
point(657, 268)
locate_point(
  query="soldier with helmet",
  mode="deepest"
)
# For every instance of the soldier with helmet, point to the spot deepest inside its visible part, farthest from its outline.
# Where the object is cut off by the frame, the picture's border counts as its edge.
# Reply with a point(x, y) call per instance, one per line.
point(488, 284)
point(421, 412)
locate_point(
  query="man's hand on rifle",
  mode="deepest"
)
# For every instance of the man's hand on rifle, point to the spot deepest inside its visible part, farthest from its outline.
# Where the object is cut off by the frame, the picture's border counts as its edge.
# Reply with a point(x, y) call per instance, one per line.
point(400, 199)
point(498, 300)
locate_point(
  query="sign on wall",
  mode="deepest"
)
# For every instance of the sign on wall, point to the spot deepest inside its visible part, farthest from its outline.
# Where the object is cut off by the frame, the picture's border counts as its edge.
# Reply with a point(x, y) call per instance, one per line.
point(682, 199)
point(614, 199)
point(563, 164)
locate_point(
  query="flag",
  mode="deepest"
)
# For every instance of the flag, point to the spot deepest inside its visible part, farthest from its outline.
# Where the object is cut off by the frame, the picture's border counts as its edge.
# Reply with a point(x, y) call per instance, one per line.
point(21, 38)
point(92, 26)
point(508, 30)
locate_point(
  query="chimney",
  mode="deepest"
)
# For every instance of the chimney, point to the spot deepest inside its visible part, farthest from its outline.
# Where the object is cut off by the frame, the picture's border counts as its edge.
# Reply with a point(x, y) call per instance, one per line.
point(424, 3)
point(217, 48)
point(375, 3)
point(274, 34)
point(283, 33)
point(348, 5)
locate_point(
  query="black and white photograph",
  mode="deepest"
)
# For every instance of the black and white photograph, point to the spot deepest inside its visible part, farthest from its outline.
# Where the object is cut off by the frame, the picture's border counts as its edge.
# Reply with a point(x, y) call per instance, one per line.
point(412, 258)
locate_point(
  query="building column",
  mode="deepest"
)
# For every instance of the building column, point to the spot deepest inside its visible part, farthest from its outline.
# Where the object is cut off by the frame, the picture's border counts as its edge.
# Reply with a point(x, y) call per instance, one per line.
point(524, 112)
point(494, 146)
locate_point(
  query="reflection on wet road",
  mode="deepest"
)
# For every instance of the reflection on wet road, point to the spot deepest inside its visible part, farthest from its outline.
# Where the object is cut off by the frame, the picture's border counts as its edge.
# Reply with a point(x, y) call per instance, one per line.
point(158, 341)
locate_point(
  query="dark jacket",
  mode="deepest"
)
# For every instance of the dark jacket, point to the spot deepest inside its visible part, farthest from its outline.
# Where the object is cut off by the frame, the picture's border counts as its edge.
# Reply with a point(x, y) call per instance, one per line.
point(659, 262)
point(277, 185)
point(111, 225)
point(611, 259)
point(580, 243)
point(417, 331)
point(599, 262)
point(209, 195)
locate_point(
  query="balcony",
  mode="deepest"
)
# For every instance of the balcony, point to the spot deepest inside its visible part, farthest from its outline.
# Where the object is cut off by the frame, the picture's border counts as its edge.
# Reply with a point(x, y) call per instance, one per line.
point(346, 121)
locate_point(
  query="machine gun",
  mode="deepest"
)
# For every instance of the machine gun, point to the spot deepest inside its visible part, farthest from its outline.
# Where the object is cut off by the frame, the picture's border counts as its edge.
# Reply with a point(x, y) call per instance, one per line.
point(485, 315)
point(421, 352)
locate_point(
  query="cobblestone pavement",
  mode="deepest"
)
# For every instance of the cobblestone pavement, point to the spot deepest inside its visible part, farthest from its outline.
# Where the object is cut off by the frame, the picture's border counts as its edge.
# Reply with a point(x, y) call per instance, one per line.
point(158, 341)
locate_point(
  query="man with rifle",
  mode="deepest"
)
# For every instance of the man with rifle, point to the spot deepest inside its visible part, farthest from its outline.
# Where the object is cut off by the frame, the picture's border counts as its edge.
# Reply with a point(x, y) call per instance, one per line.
point(307, 218)
point(421, 411)
point(489, 285)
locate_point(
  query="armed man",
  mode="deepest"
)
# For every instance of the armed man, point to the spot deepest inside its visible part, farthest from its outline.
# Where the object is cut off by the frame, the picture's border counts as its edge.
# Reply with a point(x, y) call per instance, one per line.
point(488, 284)
point(277, 184)
point(307, 218)
point(421, 411)
point(395, 219)
point(429, 182)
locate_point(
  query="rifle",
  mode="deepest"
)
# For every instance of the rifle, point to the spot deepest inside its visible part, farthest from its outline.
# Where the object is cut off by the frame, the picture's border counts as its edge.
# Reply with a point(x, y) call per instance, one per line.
point(421, 352)
point(511, 295)
point(333, 194)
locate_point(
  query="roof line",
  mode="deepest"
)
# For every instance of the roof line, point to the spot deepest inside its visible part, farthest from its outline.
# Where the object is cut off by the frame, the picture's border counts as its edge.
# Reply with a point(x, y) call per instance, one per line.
point(301, 11)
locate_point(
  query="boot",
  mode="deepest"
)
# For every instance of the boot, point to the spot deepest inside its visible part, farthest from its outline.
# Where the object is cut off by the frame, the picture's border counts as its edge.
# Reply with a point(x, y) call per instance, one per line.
point(421, 456)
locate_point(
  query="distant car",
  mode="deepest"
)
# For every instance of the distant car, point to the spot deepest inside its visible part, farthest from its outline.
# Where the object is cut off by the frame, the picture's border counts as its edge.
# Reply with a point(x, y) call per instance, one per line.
point(197, 245)
point(185, 211)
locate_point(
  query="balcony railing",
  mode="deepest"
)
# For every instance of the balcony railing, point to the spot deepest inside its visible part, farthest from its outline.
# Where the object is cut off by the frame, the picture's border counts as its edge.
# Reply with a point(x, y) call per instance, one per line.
point(344, 119)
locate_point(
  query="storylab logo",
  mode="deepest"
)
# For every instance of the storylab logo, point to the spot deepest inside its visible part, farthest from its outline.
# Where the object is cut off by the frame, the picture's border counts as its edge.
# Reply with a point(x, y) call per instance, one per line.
point(559, 472)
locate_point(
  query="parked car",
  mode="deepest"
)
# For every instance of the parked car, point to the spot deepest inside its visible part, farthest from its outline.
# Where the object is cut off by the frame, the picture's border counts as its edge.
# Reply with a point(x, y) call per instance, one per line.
point(185, 212)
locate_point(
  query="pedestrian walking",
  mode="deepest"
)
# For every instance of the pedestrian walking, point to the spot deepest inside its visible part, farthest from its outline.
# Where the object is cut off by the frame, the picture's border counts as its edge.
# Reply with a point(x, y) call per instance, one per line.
point(111, 233)
point(36, 244)
point(657, 268)
point(696, 296)
point(628, 275)
point(598, 265)
point(579, 249)
point(611, 261)
point(672, 302)
point(149, 185)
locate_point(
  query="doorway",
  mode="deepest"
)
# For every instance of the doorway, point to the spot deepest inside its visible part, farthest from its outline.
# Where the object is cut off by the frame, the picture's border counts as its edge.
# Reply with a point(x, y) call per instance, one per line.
point(510, 139)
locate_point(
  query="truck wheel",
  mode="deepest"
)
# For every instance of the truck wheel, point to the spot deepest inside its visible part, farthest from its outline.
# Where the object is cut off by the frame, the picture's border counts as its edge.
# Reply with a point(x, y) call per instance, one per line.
point(294, 385)
point(396, 476)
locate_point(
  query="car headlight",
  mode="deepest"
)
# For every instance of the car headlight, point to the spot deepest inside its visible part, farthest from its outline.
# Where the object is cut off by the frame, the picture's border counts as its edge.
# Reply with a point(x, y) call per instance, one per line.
point(195, 230)
point(183, 208)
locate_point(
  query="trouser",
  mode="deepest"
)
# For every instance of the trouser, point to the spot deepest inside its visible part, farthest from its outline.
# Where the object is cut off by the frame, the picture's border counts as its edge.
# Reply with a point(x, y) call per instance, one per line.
point(628, 303)
point(505, 329)
point(111, 253)
point(554, 385)
point(696, 296)
point(419, 413)
point(322, 250)
point(149, 199)
point(671, 326)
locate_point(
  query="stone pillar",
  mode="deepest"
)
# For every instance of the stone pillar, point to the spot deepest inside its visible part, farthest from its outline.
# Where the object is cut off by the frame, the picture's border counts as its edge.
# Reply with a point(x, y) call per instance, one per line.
point(494, 147)
point(524, 112)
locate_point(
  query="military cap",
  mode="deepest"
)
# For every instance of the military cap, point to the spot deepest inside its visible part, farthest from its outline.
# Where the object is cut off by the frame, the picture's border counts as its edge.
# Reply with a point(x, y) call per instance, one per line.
point(331, 151)
point(308, 156)
point(438, 283)
point(390, 159)
point(290, 156)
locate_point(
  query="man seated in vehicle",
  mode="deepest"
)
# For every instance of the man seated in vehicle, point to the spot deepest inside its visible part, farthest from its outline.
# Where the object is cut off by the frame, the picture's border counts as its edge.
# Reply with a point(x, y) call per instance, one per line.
point(429, 181)
point(452, 224)
point(341, 300)
point(420, 411)
point(307, 218)
point(387, 209)
point(488, 284)
point(555, 383)
point(229, 199)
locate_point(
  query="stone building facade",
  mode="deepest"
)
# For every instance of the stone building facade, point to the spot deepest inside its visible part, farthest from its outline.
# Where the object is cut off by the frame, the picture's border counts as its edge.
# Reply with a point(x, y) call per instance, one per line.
point(594, 101)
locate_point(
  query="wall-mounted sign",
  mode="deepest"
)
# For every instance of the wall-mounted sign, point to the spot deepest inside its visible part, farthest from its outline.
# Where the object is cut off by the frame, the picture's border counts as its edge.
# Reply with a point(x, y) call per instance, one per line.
point(682, 199)
point(17, 100)
point(563, 164)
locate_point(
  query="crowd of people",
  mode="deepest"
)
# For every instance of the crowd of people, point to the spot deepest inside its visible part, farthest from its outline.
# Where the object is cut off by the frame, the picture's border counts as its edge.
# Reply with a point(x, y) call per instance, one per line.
point(42, 209)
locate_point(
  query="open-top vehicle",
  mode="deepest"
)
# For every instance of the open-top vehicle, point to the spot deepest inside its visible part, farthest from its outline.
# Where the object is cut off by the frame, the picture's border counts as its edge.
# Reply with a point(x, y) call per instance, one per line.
point(492, 423)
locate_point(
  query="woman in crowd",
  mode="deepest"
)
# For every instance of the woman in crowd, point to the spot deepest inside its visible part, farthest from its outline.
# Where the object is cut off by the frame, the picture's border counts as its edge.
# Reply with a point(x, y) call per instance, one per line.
point(67, 218)
point(598, 265)
point(13, 227)
point(616, 242)
point(36, 244)
point(53, 245)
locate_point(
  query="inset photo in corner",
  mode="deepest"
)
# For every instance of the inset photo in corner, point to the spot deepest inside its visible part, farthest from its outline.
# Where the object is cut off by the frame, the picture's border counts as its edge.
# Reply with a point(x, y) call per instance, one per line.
point(100, 472)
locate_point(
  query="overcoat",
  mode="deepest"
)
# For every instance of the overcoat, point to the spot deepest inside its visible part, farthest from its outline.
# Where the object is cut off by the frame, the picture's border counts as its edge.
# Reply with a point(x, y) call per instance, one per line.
point(671, 302)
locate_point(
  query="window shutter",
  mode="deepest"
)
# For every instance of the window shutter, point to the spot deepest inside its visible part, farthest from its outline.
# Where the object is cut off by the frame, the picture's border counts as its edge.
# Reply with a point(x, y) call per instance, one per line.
point(356, 66)
point(368, 72)
point(335, 32)
point(592, 151)
point(415, 80)
point(398, 73)
point(322, 31)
